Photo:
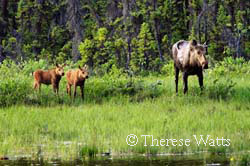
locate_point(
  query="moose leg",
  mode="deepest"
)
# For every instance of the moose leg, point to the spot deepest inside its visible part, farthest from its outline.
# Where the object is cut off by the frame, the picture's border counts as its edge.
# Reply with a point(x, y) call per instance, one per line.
point(57, 88)
point(176, 79)
point(35, 85)
point(69, 89)
point(54, 87)
point(82, 91)
point(39, 87)
point(185, 82)
point(75, 91)
point(200, 77)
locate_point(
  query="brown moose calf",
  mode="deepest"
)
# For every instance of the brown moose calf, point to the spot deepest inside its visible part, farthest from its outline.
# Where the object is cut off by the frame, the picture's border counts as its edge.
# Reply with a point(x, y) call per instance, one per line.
point(189, 57)
point(52, 76)
point(76, 78)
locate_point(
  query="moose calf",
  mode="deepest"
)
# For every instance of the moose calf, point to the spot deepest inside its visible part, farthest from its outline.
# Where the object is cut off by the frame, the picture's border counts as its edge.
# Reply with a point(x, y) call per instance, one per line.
point(189, 57)
point(52, 76)
point(76, 78)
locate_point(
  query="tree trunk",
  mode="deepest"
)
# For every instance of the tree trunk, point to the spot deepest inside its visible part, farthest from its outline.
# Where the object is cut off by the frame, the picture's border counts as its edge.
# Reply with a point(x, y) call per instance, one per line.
point(231, 10)
point(2, 57)
point(74, 23)
point(156, 32)
point(129, 52)
point(188, 14)
point(5, 12)
point(202, 13)
point(126, 22)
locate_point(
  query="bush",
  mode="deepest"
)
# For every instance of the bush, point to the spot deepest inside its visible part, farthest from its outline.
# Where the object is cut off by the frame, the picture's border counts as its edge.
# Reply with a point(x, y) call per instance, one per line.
point(231, 65)
point(109, 83)
point(168, 68)
point(30, 66)
point(14, 86)
point(13, 90)
point(220, 89)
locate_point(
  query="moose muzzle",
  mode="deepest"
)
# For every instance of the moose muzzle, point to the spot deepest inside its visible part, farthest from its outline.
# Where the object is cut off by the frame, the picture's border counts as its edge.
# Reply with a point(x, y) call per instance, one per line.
point(205, 65)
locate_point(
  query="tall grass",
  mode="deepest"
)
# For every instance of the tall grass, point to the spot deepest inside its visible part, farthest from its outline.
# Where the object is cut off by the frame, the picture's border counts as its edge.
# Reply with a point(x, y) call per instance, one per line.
point(43, 125)
point(70, 132)
point(223, 82)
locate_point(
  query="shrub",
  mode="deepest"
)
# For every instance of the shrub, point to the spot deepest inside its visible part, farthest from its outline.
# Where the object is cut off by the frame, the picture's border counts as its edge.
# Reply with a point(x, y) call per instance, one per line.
point(13, 90)
point(220, 89)
point(14, 87)
point(231, 65)
point(168, 68)
point(28, 67)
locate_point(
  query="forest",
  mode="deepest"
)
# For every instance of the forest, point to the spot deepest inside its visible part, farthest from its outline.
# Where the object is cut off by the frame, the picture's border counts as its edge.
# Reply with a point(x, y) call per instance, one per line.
point(130, 88)
point(134, 35)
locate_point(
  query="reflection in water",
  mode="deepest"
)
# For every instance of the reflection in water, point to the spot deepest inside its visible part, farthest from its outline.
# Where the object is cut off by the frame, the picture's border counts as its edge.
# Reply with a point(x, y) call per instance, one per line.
point(132, 161)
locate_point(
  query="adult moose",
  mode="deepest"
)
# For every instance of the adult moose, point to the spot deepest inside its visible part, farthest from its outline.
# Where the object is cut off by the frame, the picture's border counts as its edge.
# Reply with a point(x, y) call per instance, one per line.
point(76, 78)
point(52, 76)
point(189, 57)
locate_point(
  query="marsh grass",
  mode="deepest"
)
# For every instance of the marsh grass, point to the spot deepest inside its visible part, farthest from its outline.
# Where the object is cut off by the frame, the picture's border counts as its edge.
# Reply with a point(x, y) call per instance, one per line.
point(88, 129)
point(47, 126)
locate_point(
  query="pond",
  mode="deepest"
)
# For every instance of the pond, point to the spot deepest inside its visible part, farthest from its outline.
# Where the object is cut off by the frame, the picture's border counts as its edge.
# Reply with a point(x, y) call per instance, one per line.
point(133, 161)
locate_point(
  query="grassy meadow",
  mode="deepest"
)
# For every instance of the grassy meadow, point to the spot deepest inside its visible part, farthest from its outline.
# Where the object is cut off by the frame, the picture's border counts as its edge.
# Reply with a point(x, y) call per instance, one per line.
point(46, 126)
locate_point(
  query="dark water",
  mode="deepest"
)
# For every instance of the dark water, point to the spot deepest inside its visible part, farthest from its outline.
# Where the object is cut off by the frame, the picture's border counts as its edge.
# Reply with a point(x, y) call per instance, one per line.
point(132, 161)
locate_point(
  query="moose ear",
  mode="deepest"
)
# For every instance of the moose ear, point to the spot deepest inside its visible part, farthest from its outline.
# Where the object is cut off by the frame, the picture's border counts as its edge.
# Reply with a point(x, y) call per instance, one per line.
point(194, 42)
point(85, 66)
point(205, 44)
point(57, 65)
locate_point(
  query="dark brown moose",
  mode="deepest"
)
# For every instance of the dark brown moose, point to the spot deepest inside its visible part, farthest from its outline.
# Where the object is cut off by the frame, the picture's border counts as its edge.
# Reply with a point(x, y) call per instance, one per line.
point(189, 57)
point(52, 76)
point(76, 78)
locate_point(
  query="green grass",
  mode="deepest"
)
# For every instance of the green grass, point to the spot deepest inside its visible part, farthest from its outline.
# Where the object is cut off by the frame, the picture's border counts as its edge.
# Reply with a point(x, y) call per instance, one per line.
point(48, 127)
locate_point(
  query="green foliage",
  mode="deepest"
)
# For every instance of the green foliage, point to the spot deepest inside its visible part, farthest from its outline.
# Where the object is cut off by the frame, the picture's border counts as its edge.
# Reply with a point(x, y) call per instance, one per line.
point(115, 97)
point(121, 41)
point(128, 34)
point(86, 49)
point(14, 86)
point(223, 18)
point(109, 85)
point(12, 40)
point(30, 66)
point(221, 90)
point(168, 69)
point(89, 130)
point(27, 50)
point(101, 34)
point(45, 54)
point(61, 57)
point(89, 151)
point(143, 57)
point(244, 159)
point(231, 65)
point(100, 50)
point(109, 82)
point(247, 47)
